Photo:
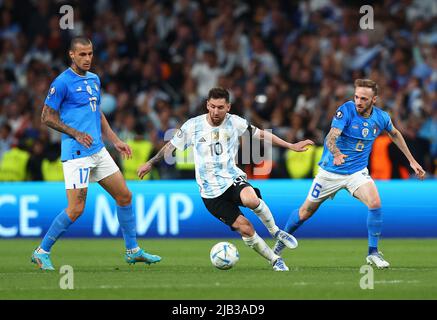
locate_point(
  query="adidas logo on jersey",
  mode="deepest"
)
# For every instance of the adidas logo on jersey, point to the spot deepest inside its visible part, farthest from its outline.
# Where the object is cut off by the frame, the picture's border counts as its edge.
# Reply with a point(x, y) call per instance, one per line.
point(202, 140)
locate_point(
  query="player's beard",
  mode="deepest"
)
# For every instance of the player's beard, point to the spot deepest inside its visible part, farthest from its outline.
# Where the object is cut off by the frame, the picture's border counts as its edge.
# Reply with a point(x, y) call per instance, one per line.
point(366, 110)
point(216, 121)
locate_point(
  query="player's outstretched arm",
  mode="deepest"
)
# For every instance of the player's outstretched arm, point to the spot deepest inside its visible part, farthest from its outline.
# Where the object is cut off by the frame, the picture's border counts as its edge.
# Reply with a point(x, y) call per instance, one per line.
point(50, 118)
point(331, 144)
point(147, 167)
point(275, 140)
point(399, 140)
point(110, 135)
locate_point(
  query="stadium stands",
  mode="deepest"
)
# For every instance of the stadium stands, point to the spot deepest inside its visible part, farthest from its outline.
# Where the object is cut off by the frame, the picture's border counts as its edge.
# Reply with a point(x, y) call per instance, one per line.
point(287, 64)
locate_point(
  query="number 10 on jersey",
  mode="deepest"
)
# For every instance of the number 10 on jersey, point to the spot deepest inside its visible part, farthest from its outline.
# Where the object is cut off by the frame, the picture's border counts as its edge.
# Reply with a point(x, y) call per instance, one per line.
point(216, 148)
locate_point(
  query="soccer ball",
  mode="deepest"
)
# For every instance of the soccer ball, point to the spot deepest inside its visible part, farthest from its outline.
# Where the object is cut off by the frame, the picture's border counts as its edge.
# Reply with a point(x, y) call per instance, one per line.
point(224, 255)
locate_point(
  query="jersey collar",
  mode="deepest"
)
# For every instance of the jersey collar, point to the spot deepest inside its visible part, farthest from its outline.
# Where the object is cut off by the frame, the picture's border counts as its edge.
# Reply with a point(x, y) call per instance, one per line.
point(71, 69)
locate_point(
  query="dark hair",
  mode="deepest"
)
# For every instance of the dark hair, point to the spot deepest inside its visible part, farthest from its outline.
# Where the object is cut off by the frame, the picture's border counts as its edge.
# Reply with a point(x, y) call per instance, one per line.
point(218, 93)
point(367, 83)
point(79, 39)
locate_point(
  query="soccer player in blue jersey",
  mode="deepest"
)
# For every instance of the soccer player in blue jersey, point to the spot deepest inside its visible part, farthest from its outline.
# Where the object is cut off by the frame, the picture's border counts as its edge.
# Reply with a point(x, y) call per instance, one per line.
point(343, 165)
point(223, 186)
point(72, 107)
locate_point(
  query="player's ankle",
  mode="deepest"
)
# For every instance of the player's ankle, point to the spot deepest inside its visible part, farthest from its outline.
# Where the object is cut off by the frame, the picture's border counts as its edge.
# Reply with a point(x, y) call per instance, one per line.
point(133, 250)
point(41, 250)
point(273, 230)
point(373, 250)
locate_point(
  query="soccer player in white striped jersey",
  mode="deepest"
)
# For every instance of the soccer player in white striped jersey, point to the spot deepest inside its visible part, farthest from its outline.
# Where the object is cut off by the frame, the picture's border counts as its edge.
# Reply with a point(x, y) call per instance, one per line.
point(223, 186)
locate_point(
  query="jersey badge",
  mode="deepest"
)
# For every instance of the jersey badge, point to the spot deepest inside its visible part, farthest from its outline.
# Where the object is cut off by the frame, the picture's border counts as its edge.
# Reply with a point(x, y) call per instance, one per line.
point(365, 132)
point(215, 135)
point(339, 114)
point(89, 90)
point(52, 91)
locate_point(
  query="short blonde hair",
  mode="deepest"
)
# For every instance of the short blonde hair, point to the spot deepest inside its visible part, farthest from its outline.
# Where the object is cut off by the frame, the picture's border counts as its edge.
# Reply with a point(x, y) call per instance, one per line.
point(367, 83)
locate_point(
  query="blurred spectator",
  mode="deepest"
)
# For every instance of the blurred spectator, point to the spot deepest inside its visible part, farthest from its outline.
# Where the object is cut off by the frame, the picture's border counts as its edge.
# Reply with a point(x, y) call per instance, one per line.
point(5, 139)
point(34, 165)
point(287, 64)
point(206, 73)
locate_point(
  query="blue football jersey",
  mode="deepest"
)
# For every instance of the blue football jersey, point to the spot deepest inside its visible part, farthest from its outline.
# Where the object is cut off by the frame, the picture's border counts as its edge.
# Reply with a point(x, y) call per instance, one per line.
point(356, 139)
point(77, 99)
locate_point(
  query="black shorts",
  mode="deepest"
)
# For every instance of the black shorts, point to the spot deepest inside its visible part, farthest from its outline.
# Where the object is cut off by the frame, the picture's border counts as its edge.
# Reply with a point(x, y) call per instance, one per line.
point(226, 206)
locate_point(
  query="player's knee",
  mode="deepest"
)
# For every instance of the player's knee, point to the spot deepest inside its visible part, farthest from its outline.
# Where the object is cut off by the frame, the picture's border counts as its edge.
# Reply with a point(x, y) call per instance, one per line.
point(124, 199)
point(305, 213)
point(244, 227)
point(251, 202)
point(75, 212)
point(246, 231)
point(375, 204)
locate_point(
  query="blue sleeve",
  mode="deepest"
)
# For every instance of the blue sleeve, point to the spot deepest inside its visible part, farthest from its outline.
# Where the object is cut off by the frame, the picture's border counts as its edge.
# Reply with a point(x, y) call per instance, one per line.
point(388, 125)
point(341, 117)
point(56, 95)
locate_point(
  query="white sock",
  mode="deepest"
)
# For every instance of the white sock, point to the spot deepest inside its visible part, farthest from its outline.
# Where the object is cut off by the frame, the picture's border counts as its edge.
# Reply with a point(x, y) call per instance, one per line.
point(260, 246)
point(264, 214)
point(134, 250)
point(41, 250)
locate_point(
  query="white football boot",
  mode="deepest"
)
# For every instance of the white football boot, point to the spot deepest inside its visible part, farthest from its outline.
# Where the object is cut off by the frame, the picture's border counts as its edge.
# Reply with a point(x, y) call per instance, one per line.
point(286, 238)
point(279, 265)
point(377, 260)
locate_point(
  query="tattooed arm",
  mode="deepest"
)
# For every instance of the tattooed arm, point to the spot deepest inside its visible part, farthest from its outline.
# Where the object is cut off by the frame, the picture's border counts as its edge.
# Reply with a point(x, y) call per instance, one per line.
point(147, 167)
point(50, 118)
point(331, 144)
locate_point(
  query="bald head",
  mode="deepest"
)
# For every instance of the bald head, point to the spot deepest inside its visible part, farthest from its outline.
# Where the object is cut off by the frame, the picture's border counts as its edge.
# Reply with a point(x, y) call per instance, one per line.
point(79, 40)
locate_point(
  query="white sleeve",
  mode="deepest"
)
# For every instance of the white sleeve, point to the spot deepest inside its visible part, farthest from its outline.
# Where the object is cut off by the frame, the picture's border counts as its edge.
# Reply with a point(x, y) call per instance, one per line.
point(241, 125)
point(182, 138)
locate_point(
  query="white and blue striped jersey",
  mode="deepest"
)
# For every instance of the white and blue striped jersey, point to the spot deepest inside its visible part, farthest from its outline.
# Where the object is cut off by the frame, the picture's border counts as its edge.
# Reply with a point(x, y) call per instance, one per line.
point(215, 150)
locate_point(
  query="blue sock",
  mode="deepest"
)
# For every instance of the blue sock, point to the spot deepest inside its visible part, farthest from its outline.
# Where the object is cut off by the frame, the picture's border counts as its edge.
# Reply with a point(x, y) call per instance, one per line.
point(293, 222)
point(126, 218)
point(374, 227)
point(58, 227)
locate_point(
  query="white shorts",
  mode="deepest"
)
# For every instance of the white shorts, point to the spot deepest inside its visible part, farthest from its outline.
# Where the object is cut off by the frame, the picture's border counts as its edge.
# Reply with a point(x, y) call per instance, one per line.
point(79, 172)
point(327, 184)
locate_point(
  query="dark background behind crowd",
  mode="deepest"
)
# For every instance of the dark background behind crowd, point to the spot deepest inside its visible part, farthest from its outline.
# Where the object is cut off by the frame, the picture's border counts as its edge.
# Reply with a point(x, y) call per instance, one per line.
point(287, 64)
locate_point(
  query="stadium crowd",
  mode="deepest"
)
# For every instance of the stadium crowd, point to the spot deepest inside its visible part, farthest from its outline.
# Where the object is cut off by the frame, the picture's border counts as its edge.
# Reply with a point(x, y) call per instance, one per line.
point(287, 64)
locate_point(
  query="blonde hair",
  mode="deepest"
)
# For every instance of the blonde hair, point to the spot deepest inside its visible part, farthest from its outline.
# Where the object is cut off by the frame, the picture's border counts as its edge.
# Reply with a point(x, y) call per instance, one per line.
point(367, 83)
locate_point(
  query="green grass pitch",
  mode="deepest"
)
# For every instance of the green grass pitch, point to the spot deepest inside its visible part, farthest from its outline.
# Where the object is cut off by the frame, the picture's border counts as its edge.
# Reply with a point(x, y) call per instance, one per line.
point(319, 269)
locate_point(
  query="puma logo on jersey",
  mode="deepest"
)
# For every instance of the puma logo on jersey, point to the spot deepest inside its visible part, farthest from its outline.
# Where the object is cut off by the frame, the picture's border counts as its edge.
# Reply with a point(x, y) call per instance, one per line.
point(79, 89)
